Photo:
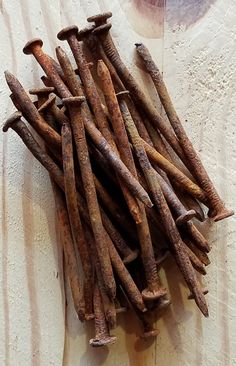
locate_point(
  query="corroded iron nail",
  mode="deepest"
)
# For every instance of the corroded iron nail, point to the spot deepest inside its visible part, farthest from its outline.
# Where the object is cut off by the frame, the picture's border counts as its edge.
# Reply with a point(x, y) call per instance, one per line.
point(73, 104)
point(136, 92)
point(102, 336)
point(218, 210)
point(69, 251)
point(175, 173)
point(74, 217)
point(29, 111)
point(15, 122)
point(152, 177)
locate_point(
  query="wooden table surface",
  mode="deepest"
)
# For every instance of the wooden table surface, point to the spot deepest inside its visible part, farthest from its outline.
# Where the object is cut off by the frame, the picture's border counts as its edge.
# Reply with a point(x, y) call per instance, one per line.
point(194, 43)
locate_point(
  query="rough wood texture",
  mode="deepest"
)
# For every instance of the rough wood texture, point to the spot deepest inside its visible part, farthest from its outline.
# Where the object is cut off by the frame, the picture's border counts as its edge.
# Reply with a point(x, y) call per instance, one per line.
point(194, 43)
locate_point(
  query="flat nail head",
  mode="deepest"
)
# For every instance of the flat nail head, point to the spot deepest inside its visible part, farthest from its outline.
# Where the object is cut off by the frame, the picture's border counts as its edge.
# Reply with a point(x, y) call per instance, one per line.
point(223, 214)
point(102, 28)
point(182, 219)
point(73, 100)
point(42, 91)
point(150, 295)
point(31, 44)
point(67, 31)
point(83, 33)
point(102, 342)
point(47, 105)
point(99, 17)
point(16, 116)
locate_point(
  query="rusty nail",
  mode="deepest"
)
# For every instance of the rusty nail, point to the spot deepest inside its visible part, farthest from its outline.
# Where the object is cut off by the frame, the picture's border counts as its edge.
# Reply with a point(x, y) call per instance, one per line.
point(218, 210)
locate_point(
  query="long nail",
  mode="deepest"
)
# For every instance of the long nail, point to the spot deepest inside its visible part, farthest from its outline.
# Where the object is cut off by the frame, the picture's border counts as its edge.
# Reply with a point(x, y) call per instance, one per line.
point(69, 251)
point(219, 211)
point(73, 104)
point(29, 110)
point(137, 94)
point(74, 217)
point(102, 336)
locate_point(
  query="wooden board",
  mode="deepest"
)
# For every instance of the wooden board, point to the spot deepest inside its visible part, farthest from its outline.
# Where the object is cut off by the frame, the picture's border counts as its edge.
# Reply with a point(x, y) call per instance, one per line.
point(194, 43)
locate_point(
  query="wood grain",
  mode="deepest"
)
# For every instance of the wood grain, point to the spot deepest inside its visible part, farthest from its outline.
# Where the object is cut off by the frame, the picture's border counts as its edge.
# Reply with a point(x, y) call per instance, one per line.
point(194, 43)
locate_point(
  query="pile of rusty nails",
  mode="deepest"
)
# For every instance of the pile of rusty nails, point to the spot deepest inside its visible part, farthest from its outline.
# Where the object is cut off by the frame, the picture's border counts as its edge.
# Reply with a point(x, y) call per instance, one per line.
point(127, 181)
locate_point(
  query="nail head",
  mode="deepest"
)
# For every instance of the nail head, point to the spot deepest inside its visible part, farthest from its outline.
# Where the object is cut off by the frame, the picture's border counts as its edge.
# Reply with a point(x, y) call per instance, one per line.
point(66, 32)
point(14, 117)
point(28, 48)
point(102, 28)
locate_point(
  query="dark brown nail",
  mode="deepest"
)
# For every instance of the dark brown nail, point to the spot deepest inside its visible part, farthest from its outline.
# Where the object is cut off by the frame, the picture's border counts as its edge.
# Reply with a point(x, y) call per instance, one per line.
point(218, 211)
point(73, 105)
